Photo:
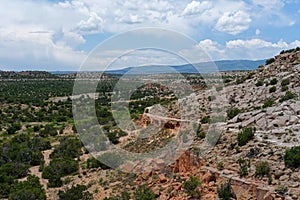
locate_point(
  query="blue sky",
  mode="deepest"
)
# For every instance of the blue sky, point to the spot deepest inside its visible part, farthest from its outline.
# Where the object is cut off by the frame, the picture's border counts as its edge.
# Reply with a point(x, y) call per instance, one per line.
point(58, 34)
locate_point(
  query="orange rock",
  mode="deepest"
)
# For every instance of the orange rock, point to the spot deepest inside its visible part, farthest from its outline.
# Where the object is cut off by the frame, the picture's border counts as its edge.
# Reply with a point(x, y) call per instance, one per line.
point(162, 178)
point(146, 175)
point(178, 187)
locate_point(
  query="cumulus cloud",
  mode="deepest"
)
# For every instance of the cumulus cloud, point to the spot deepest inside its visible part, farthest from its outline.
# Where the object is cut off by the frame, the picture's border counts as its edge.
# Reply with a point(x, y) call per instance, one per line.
point(90, 26)
point(255, 43)
point(210, 46)
point(40, 38)
point(131, 19)
point(233, 22)
point(245, 49)
point(196, 7)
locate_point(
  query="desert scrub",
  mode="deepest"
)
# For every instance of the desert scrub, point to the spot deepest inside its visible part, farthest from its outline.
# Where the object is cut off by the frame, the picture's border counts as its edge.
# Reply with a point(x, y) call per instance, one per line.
point(288, 95)
point(245, 135)
point(201, 134)
point(268, 103)
point(292, 157)
point(205, 120)
point(274, 81)
point(191, 186)
point(282, 190)
point(231, 113)
point(285, 82)
point(224, 191)
point(220, 166)
point(259, 83)
point(284, 88)
point(262, 169)
point(272, 89)
point(144, 193)
point(244, 165)
point(75, 193)
point(270, 60)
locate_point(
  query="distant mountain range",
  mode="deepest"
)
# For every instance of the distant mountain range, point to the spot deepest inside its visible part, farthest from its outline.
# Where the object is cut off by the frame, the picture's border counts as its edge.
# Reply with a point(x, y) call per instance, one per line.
point(205, 67)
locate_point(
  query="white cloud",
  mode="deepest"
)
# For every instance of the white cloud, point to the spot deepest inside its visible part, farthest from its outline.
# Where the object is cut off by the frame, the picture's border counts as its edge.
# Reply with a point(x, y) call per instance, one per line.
point(255, 43)
point(257, 32)
point(90, 26)
point(38, 35)
point(196, 7)
point(233, 22)
point(296, 43)
point(245, 49)
point(70, 39)
point(210, 46)
point(131, 19)
point(292, 23)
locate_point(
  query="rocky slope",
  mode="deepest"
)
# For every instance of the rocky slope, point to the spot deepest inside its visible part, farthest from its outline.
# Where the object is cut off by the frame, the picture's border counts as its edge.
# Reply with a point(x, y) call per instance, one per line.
point(267, 99)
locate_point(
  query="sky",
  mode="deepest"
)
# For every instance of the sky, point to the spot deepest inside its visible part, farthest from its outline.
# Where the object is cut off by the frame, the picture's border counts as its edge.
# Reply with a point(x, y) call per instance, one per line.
point(59, 35)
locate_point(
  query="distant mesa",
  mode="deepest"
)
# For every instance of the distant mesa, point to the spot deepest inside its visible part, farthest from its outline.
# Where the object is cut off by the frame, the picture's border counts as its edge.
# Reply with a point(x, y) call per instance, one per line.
point(205, 67)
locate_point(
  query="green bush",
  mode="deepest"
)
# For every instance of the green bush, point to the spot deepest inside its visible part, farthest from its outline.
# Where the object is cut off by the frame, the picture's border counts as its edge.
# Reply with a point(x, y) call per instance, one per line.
point(17, 155)
point(14, 128)
point(220, 166)
point(68, 148)
point(205, 120)
point(274, 81)
point(292, 157)
point(285, 82)
point(272, 89)
point(284, 88)
point(58, 168)
point(201, 134)
point(262, 169)
point(95, 163)
point(270, 60)
point(30, 189)
point(14, 169)
point(259, 83)
point(144, 193)
point(49, 130)
point(245, 135)
point(211, 98)
point(75, 193)
point(231, 113)
point(240, 80)
point(290, 50)
point(54, 182)
point(244, 165)
point(282, 190)
point(268, 103)
point(224, 191)
point(288, 95)
point(191, 186)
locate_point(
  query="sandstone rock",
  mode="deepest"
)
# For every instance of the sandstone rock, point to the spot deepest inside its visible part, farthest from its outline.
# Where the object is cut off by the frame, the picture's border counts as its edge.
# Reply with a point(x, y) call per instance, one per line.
point(211, 184)
point(280, 121)
point(284, 178)
point(162, 178)
point(156, 190)
point(146, 175)
point(178, 187)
